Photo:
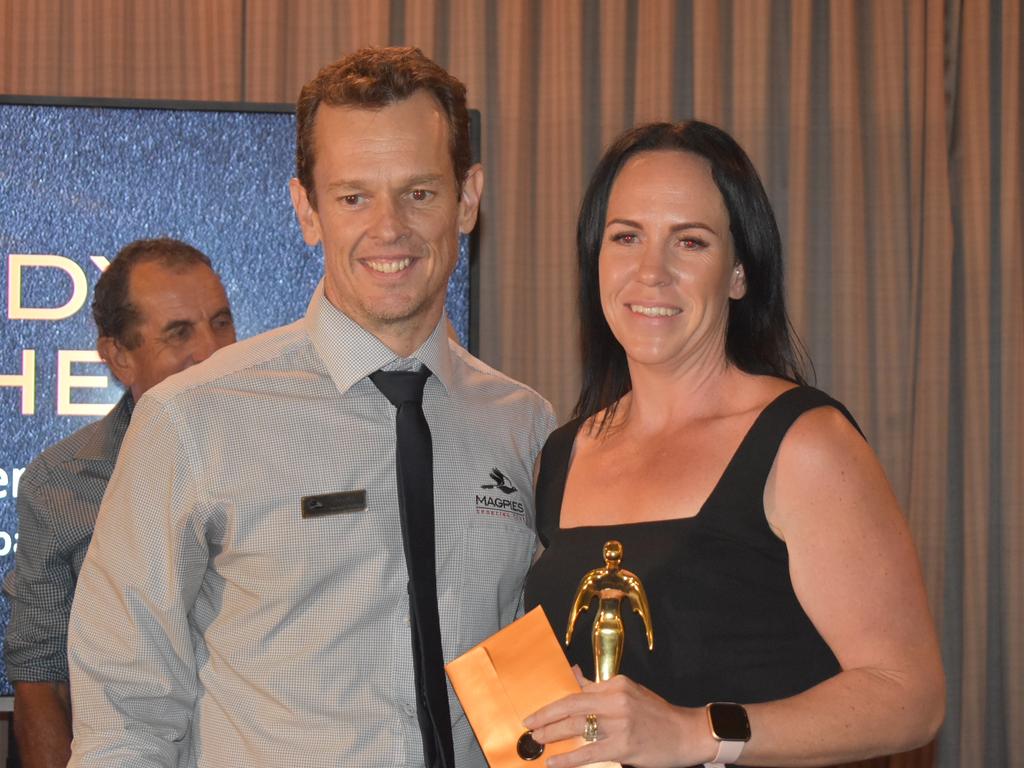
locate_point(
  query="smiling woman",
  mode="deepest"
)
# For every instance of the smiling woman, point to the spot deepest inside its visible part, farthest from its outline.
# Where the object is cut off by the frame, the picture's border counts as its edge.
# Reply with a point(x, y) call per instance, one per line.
point(784, 587)
point(666, 265)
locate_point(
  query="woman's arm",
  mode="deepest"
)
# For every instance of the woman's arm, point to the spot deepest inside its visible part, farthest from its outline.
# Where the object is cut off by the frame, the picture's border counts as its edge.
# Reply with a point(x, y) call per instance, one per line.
point(856, 573)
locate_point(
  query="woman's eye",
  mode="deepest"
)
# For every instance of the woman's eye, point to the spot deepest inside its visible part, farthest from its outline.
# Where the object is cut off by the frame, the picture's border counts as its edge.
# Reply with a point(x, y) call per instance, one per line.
point(626, 238)
point(692, 243)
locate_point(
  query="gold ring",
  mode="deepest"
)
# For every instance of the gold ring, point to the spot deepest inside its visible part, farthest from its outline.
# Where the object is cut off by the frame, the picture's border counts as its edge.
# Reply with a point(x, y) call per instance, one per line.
point(590, 729)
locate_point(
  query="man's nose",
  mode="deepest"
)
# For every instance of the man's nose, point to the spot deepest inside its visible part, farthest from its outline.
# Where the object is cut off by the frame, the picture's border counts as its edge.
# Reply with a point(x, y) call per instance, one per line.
point(388, 222)
point(205, 343)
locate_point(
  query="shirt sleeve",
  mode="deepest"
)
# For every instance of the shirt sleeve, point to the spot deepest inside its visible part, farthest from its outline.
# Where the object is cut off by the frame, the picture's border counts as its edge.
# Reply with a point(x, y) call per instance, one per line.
point(130, 652)
point(548, 424)
point(36, 645)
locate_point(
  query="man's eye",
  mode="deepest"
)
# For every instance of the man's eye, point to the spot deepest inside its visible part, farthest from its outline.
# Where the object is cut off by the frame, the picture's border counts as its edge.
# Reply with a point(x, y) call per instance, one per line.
point(421, 195)
point(351, 199)
point(179, 334)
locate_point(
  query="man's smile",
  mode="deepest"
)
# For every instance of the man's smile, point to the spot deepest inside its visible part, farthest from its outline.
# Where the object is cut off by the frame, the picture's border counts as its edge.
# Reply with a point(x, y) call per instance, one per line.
point(388, 266)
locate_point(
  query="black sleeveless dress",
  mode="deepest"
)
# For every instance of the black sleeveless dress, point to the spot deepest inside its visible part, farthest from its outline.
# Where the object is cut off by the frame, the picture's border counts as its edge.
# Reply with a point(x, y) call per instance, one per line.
point(727, 624)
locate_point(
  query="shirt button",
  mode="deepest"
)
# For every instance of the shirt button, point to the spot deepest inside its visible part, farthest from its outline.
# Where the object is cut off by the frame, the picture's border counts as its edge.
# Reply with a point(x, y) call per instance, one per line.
point(410, 709)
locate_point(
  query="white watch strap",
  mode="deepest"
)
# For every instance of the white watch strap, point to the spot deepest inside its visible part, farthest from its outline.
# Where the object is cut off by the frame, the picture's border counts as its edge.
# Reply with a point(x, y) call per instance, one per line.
point(728, 752)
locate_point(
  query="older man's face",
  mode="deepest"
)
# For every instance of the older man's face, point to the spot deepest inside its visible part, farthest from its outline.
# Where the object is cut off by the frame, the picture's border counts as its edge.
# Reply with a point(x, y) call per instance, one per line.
point(185, 318)
point(389, 213)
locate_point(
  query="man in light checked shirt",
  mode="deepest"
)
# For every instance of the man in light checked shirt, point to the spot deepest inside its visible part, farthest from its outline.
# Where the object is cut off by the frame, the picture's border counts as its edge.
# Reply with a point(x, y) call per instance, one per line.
point(245, 601)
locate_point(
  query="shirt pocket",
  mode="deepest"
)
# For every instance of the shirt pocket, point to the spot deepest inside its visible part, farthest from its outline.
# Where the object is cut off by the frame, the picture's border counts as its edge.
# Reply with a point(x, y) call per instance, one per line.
point(496, 554)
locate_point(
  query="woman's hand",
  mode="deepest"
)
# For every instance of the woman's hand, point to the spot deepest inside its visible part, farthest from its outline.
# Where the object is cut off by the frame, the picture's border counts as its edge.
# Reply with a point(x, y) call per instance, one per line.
point(634, 726)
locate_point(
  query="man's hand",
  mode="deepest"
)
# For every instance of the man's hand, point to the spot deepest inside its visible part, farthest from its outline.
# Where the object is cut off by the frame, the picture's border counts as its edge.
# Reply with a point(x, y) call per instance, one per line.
point(42, 723)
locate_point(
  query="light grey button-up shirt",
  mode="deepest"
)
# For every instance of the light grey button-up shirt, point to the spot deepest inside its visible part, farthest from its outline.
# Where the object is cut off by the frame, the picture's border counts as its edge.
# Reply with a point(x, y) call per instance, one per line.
point(215, 626)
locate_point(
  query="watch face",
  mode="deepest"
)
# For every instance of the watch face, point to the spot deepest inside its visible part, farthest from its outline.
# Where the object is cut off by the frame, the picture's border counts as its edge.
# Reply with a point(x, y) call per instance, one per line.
point(729, 722)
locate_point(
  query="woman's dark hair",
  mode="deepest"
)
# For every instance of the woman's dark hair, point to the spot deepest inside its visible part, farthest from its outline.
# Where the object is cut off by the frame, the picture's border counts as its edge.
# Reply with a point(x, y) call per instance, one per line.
point(759, 338)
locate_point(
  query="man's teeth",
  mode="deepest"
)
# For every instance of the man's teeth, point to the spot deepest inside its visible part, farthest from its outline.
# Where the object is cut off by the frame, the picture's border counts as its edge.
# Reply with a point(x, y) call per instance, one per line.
point(389, 266)
point(640, 309)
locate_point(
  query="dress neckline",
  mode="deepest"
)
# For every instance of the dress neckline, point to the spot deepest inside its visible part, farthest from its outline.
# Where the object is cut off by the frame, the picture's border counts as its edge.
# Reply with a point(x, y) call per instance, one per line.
point(729, 468)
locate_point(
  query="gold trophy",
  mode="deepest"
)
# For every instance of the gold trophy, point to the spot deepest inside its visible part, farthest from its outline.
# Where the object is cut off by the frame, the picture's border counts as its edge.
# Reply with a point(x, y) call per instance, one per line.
point(610, 584)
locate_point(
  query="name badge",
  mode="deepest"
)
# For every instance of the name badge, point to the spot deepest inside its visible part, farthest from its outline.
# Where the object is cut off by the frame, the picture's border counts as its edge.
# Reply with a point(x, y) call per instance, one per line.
point(339, 503)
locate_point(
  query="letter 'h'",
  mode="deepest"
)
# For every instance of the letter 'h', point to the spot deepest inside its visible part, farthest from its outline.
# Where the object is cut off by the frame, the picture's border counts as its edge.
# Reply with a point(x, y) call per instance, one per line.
point(415, 463)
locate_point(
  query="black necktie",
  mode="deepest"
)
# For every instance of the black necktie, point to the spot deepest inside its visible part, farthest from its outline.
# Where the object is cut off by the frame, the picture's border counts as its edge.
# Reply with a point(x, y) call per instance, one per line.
point(415, 461)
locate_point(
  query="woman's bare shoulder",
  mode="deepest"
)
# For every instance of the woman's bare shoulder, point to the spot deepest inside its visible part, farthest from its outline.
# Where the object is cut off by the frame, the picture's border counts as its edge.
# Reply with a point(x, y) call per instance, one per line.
point(826, 473)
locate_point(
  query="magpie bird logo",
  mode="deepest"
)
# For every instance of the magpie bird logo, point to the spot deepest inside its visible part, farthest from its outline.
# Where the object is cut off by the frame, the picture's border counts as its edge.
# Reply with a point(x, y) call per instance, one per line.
point(500, 482)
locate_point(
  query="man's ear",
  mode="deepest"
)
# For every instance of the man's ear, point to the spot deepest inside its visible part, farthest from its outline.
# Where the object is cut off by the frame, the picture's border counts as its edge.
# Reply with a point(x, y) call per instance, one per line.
point(309, 220)
point(118, 359)
point(469, 201)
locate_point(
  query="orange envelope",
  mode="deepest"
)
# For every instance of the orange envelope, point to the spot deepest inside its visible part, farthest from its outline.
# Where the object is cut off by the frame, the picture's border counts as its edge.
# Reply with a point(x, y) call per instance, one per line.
point(510, 675)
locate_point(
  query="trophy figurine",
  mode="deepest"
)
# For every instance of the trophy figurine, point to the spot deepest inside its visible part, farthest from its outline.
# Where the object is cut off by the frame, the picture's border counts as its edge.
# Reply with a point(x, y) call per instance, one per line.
point(610, 584)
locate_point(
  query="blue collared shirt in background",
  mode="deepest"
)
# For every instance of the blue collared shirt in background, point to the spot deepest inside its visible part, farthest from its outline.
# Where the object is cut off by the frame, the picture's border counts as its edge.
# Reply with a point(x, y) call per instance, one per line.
point(59, 499)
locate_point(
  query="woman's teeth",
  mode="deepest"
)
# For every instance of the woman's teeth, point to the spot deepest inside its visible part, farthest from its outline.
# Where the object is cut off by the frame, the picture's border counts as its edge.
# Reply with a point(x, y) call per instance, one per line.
point(640, 309)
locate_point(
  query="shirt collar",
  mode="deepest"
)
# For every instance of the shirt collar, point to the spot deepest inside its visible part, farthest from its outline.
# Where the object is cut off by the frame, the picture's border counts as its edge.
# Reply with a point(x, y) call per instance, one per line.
point(105, 442)
point(350, 352)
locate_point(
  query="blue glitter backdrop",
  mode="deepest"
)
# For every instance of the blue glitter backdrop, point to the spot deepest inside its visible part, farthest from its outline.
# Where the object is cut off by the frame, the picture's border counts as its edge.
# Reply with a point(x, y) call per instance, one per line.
point(78, 182)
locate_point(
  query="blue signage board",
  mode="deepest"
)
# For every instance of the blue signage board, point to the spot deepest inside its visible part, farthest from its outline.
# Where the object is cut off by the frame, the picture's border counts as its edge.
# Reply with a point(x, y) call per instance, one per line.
point(79, 180)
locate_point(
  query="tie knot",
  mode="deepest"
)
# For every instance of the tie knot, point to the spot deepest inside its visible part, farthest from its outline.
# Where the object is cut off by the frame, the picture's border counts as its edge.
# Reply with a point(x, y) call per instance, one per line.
point(401, 386)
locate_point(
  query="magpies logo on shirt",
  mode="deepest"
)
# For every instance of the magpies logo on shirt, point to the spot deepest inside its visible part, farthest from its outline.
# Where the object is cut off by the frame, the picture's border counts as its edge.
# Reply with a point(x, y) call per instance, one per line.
point(500, 482)
point(500, 506)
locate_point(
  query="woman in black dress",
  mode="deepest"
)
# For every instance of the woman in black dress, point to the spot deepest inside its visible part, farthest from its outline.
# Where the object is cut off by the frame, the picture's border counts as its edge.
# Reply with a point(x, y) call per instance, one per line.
point(779, 568)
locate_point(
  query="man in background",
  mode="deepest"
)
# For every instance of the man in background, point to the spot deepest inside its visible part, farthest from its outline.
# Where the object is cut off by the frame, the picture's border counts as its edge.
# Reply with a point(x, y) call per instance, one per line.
point(250, 595)
point(159, 308)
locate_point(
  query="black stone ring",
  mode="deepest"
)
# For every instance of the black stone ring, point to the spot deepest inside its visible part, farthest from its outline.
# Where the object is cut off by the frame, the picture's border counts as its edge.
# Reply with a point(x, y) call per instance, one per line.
point(528, 748)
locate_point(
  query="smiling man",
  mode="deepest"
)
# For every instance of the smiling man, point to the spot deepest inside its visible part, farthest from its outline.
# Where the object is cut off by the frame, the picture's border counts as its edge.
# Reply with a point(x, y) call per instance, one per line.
point(266, 585)
point(159, 309)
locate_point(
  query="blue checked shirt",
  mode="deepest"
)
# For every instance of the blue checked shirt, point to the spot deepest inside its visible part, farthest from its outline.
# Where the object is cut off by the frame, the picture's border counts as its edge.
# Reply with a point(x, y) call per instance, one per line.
point(215, 626)
point(58, 502)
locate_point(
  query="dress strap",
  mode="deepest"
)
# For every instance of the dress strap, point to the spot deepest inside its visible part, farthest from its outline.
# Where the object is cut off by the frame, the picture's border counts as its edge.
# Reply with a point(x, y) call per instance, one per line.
point(748, 471)
point(554, 468)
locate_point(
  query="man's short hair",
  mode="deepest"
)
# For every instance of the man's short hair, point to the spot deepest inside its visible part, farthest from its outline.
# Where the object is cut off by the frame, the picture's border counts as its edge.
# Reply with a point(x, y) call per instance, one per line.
point(112, 309)
point(372, 78)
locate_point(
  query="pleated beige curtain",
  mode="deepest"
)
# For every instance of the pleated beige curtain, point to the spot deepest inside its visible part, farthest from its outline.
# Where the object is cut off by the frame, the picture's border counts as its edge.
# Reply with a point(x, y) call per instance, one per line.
point(983, 547)
point(888, 133)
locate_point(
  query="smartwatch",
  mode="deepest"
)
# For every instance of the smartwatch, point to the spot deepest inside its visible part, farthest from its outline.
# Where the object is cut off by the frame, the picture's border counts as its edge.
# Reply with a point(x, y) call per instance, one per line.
point(731, 729)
